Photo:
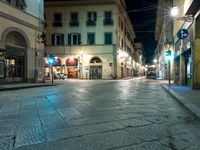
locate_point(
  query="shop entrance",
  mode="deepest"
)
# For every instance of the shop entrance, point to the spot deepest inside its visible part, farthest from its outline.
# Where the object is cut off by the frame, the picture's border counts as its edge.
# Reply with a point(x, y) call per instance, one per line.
point(14, 58)
point(95, 68)
point(188, 68)
point(72, 68)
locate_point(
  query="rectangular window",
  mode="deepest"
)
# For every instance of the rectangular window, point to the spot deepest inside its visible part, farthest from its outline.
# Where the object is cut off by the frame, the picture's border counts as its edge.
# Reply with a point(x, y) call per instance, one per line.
point(108, 18)
point(91, 18)
point(122, 25)
point(57, 22)
point(108, 38)
point(74, 19)
point(57, 39)
point(74, 39)
point(91, 38)
point(122, 43)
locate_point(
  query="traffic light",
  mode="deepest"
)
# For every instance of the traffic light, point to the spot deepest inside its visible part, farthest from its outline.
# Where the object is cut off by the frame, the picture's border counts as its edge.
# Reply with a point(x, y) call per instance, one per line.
point(51, 59)
point(168, 53)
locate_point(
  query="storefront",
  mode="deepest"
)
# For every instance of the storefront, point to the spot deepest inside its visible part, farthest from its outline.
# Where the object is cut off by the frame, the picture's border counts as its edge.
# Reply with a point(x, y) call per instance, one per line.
point(95, 68)
point(72, 67)
point(188, 67)
point(13, 58)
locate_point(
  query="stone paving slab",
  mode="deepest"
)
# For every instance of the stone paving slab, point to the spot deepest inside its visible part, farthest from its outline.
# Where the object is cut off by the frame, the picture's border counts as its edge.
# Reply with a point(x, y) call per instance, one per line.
point(129, 115)
point(149, 133)
point(81, 130)
point(99, 141)
point(6, 142)
point(146, 146)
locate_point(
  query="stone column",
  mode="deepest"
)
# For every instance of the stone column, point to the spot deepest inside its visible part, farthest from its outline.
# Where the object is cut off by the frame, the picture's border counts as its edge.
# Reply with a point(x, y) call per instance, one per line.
point(196, 64)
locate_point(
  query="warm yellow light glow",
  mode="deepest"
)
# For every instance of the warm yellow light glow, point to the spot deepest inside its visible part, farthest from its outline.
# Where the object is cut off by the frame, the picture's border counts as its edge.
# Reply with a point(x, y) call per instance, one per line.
point(174, 11)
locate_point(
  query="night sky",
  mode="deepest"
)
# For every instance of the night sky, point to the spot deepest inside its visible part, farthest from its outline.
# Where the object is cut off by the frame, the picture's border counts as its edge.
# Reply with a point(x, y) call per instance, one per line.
point(143, 16)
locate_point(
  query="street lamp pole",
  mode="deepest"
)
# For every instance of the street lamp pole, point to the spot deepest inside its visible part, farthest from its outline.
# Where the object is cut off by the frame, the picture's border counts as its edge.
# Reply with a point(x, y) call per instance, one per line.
point(51, 74)
point(51, 61)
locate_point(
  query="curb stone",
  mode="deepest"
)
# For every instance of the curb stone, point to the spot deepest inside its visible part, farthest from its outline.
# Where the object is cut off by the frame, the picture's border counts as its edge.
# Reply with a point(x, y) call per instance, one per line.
point(186, 103)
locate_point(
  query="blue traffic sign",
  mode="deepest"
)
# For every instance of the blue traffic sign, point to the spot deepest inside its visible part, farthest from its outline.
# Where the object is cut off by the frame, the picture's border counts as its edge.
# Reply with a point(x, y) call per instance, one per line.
point(182, 33)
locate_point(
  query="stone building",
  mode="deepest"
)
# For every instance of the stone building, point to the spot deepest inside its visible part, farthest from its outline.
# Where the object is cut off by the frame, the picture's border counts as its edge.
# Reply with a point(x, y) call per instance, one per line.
point(185, 66)
point(186, 50)
point(21, 47)
point(90, 39)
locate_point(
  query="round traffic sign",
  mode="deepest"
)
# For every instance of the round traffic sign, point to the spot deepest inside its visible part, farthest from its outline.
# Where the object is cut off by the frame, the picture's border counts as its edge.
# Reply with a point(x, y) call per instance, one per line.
point(182, 33)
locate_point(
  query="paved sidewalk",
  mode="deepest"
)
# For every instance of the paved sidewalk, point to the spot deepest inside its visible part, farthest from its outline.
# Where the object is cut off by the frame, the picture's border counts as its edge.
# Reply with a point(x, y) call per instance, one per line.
point(185, 95)
point(17, 86)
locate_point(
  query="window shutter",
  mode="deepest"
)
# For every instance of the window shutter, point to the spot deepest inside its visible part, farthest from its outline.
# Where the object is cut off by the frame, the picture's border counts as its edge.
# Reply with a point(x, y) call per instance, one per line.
point(79, 39)
point(53, 39)
point(69, 39)
point(62, 39)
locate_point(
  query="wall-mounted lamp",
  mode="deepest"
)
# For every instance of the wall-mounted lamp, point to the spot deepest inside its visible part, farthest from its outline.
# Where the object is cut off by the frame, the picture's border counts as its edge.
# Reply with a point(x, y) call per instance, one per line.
point(187, 18)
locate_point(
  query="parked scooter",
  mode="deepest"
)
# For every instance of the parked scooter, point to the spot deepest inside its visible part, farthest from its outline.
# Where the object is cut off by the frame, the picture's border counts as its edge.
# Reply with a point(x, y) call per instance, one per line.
point(59, 76)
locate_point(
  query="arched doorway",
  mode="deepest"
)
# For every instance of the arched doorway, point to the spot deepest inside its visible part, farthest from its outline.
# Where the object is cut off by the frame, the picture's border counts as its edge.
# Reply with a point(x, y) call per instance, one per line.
point(72, 67)
point(95, 68)
point(15, 55)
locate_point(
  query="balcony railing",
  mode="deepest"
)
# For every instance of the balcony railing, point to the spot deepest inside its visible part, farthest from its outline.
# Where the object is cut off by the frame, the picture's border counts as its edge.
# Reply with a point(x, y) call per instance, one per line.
point(108, 22)
point(74, 23)
point(91, 23)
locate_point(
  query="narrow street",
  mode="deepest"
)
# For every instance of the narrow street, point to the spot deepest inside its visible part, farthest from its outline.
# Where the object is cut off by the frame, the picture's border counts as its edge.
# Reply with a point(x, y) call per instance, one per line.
point(135, 114)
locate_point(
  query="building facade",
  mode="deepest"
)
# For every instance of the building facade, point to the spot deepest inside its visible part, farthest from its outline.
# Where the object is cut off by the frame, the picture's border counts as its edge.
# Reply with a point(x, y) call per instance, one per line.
point(187, 54)
point(165, 40)
point(90, 39)
point(139, 63)
point(185, 68)
point(21, 47)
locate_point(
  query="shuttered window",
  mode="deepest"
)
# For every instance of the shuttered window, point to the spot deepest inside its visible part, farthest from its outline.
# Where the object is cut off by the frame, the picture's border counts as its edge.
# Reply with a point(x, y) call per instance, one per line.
point(74, 39)
point(57, 39)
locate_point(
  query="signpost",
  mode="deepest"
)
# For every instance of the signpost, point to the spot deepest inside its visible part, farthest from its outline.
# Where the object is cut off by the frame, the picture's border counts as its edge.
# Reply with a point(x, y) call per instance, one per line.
point(181, 34)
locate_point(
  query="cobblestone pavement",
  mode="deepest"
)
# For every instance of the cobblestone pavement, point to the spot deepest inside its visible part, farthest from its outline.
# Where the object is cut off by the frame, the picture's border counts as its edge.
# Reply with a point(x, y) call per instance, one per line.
point(135, 114)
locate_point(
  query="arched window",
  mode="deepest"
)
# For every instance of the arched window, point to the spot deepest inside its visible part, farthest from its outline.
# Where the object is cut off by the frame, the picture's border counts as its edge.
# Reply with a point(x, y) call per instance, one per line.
point(95, 60)
point(15, 38)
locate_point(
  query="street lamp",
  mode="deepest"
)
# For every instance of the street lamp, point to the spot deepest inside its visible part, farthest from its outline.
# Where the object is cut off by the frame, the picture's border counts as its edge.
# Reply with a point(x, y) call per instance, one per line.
point(155, 61)
point(174, 11)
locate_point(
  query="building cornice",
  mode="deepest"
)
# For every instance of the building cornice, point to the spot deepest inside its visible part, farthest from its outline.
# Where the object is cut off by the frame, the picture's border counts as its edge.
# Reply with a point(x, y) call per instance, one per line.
point(19, 21)
point(61, 3)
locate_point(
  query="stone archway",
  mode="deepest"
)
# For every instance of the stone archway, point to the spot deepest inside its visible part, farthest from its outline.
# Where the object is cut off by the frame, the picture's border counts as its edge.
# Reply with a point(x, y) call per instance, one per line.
point(15, 56)
point(95, 68)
